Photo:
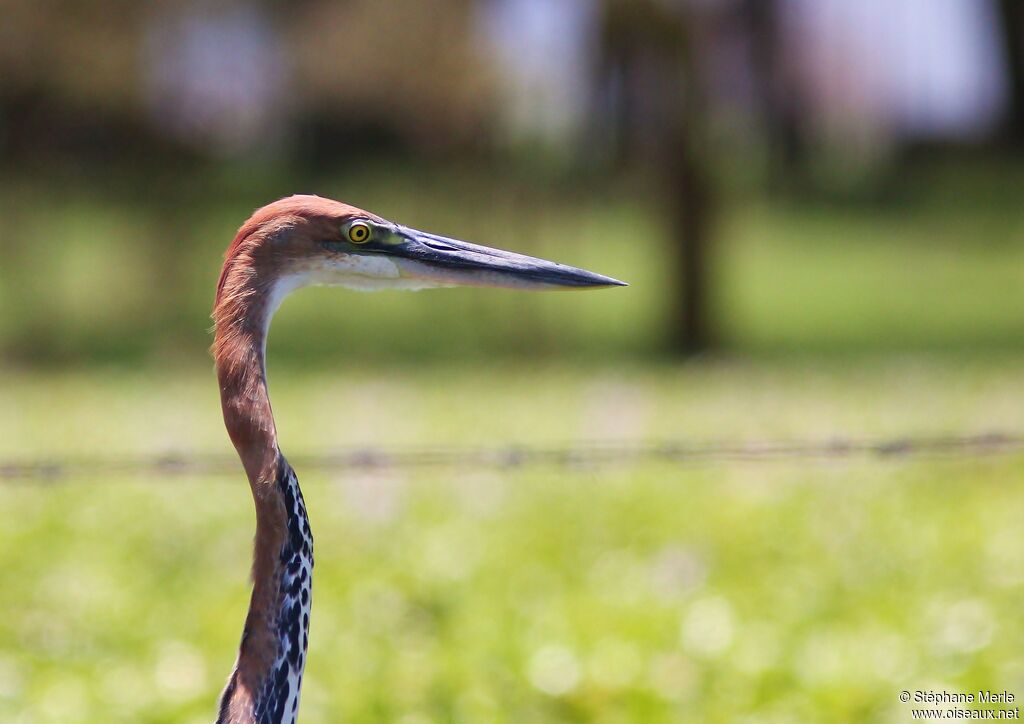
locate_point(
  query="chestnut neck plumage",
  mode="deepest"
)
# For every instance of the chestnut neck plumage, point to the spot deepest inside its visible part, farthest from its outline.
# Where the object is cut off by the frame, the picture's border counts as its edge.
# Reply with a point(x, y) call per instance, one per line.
point(264, 686)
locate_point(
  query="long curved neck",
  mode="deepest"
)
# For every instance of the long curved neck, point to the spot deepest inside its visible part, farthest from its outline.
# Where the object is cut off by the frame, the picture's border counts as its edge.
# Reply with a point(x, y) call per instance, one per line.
point(265, 685)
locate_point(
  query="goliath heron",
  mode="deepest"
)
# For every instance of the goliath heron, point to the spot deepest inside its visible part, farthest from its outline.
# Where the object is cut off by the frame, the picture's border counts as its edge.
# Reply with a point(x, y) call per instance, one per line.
point(291, 243)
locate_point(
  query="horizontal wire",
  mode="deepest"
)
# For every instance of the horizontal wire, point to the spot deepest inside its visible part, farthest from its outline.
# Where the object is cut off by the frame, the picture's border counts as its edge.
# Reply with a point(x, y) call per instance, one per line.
point(584, 455)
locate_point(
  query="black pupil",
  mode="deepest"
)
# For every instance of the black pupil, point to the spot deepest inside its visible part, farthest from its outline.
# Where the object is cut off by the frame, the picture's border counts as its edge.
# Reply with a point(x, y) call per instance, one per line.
point(359, 233)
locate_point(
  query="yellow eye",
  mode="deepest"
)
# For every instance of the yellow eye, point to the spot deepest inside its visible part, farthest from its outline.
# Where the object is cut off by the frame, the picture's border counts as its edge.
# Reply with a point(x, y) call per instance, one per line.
point(359, 233)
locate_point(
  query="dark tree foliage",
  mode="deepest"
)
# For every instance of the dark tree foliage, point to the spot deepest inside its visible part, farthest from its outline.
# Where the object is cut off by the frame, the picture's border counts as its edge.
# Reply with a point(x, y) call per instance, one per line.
point(1011, 16)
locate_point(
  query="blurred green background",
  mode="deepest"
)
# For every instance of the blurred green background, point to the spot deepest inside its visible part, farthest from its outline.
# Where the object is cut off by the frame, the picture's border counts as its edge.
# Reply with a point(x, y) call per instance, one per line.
point(818, 206)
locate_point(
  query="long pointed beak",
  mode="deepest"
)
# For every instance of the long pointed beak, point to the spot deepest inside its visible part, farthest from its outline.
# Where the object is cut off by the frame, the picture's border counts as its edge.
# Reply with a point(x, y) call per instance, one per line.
point(451, 262)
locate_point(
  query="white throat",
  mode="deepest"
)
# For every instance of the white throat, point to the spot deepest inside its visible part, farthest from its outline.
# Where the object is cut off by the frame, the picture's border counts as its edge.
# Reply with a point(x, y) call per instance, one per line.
point(353, 271)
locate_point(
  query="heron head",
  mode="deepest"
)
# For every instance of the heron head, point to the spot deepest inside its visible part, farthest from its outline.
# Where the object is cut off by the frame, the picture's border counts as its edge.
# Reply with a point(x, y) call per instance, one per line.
point(309, 240)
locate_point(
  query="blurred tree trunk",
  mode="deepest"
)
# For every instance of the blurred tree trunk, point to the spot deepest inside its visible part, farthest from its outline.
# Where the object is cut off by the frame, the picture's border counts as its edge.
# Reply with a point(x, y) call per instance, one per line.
point(650, 86)
point(1011, 16)
point(691, 199)
point(690, 204)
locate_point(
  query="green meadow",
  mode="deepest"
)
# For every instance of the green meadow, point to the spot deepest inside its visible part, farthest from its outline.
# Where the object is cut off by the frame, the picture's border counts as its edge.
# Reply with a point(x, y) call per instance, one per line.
point(796, 589)
point(126, 276)
point(630, 591)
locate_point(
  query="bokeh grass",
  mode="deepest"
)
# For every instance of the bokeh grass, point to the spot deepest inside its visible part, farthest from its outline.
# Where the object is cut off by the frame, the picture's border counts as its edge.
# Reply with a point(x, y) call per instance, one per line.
point(770, 591)
point(784, 591)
